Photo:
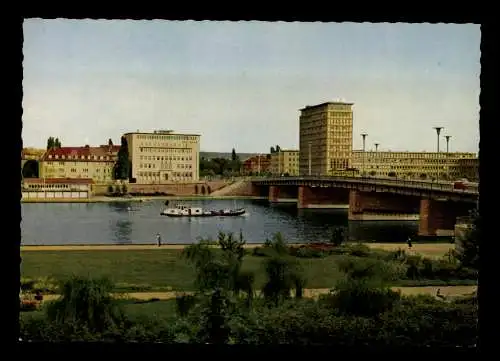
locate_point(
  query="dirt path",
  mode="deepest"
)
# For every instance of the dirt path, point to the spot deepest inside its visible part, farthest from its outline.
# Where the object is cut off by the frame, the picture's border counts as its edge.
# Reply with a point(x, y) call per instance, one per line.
point(429, 250)
point(435, 250)
point(446, 291)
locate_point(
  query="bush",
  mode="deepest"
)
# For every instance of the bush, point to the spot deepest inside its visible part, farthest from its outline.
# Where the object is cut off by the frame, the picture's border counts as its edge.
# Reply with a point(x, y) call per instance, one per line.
point(432, 323)
point(339, 236)
point(86, 303)
point(263, 252)
point(360, 297)
point(374, 269)
point(359, 250)
point(308, 252)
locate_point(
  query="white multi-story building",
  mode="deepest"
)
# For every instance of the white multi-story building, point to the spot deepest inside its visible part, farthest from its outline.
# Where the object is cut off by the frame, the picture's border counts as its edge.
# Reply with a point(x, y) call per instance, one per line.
point(164, 157)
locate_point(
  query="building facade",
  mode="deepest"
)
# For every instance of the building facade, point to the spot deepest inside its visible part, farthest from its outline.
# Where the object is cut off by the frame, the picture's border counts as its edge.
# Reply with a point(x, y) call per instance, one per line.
point(285, 162)
point(56, 188)
point(257, 164)
point(163, 157)
point(415, 165)
point(87, 162)
point(325, 133)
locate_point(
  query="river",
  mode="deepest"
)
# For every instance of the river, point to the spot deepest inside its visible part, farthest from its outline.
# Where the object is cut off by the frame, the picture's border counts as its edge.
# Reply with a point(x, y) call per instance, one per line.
point(114, 223)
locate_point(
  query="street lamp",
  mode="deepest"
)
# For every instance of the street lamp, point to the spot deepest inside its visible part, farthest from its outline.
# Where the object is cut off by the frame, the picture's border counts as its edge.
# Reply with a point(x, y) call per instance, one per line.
point(438, 132)
point(376, 147)
point(310, 168)
point(364, 153)
point(447, 137)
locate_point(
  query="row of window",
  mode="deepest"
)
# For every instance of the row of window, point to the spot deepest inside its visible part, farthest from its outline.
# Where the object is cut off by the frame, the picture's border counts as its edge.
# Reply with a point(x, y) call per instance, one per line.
point(166, 150)
point(94, 157)
point(164, 166)
point(166, 137)
point(149, 157)
point(157, 174)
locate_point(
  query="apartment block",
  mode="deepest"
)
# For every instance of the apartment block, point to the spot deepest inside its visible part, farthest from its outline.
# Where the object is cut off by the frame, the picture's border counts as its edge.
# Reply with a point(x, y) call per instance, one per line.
point(416, 165)
point(325, 138)
point(285, 162)
point(162, 156)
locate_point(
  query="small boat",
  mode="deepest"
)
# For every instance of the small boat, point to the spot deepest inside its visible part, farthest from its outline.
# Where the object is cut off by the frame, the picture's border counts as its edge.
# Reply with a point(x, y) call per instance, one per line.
point(185, 211)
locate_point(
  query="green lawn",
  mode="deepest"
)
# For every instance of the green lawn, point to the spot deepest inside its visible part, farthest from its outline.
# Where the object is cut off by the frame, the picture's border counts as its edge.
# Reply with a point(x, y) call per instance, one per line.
point(159, 270)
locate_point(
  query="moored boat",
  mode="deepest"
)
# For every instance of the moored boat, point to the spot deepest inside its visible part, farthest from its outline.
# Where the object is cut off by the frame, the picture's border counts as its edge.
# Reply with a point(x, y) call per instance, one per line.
point(185, 211)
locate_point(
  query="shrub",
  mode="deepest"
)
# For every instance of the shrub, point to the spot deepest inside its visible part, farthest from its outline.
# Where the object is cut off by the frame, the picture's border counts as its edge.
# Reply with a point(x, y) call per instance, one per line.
point(307, 252)
point(87, 303)
point(359, 250)
point(432, 323)
point(360, 297)
point(110, 189)
point(376, 270)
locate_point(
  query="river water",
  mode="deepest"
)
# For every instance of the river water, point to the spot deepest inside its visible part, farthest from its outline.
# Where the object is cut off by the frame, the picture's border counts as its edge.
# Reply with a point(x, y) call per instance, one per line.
point(113, 223)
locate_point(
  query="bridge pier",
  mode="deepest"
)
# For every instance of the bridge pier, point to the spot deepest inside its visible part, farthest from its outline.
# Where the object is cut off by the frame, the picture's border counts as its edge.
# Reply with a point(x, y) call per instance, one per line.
point(438, 218)
point(320, 197)
point(381, 206)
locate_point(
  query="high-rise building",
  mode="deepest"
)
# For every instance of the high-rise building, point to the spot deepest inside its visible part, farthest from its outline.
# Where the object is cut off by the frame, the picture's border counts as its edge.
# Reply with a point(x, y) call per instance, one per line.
point(163, 156)
point(325, 138)
point(285, 161)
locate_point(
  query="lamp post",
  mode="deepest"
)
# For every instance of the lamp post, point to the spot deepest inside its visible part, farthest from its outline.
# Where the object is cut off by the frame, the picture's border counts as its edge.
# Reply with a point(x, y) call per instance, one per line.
point(364, 153)
point(447, 137)
point(438, 132)
point(258, 167)
point(376, 147)
point(310, 168)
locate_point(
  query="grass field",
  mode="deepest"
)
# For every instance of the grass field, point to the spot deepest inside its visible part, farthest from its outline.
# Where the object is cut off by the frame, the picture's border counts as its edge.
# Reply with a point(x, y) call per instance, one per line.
point(147, 270)
point(161, 269)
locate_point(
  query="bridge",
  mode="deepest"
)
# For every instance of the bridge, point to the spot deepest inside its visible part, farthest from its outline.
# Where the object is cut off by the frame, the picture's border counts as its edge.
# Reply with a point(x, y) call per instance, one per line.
point(435, 204)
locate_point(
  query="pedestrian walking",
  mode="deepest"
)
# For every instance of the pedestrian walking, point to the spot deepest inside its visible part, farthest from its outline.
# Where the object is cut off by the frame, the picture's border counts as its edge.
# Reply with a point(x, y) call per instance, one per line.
point(409, 242)
point(158, 239)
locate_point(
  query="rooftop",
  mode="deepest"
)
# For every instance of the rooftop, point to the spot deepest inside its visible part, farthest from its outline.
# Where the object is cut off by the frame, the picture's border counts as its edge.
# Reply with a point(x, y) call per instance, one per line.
point(162, 132)
point(78, 152)
point(326, 103)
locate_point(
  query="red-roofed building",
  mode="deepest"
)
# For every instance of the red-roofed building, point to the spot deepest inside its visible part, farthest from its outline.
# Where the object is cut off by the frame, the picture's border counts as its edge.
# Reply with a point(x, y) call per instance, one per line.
point(257, 164)
point(96, 163)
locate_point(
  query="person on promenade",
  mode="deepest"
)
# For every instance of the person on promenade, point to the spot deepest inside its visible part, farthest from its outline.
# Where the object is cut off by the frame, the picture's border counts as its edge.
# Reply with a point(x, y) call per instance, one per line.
point(409, 242)
point(158, 239)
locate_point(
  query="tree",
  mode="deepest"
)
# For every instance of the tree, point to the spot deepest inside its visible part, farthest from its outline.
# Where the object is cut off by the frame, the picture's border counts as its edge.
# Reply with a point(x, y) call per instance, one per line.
point(233, 155)
point(272, 150)
point(110, 142)
point(30, 169)
point(467, 251)
point(123, 165)
point(278, 149)
point(339, 236)
point(88, 303)
point(50, 143)
point(57, 143)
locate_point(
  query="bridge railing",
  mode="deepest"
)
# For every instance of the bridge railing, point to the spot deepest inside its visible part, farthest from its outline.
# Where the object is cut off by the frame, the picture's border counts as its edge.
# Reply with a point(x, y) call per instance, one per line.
point(471, 188)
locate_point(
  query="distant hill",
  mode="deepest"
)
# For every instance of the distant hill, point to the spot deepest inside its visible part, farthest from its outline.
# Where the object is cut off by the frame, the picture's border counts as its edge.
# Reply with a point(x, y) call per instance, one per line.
point(210, 155)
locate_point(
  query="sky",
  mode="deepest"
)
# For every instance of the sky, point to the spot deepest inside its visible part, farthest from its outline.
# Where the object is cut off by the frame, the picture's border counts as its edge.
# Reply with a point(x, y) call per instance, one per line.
point(241, 84)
